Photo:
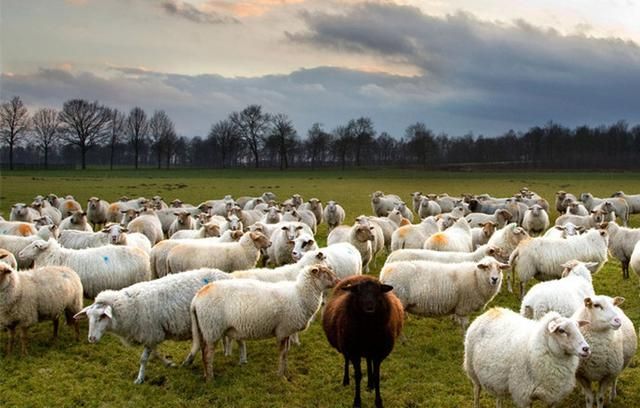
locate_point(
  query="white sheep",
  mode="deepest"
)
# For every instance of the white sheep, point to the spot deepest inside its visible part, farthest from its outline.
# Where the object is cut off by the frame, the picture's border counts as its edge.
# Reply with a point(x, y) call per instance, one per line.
point(413, 236)
point(634, 263)
point(287, 272)
point(564, 295)
point(208, 230)
point(561, 201)
point(245, 309)
point(148, 313)
point(576, 208)
point(147, 223)
point(19, 228)
point(46, 210)
point(622, 241)
point(343, 258)
point(415, 201)
point(68, 206)
point(633, 201)
point(500, 217)
point(481, 235)
point(279, 252)
point(334, 215)
point(444, 257)
point(76, 221)
point(183, 221)
point(273, 215)
point(384, 228)
point(563, 231)
point(97, 211)
point(248, 217)
point(358, 235)
point(22, 212)
point(107, 267)
point(428, 207)
point(511, 356)
point(615, 207)
point(613, 342)
point(542, 258)
point(15, 244)
point(305, 216)
point(227, 257)
point(536, 220)
point(8, 258)
point(508, 238)
point(402, 208)
point(315, 206)
point(517, 209)
point(430, 288)
point(30, 296)
point(119, 235)
point(456, 238)
point(381, 204)
point(446, 203)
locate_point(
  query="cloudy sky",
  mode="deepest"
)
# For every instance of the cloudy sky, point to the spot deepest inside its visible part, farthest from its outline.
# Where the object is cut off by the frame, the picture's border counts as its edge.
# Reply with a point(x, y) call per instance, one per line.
point(459, 66)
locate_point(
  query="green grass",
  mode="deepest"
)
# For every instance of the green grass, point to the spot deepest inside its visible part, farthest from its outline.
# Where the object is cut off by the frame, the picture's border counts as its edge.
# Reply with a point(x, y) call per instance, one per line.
point(424, 371)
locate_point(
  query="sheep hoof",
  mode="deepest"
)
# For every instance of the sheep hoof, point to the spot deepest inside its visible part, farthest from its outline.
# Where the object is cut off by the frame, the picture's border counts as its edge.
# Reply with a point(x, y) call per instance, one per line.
point(139, 381)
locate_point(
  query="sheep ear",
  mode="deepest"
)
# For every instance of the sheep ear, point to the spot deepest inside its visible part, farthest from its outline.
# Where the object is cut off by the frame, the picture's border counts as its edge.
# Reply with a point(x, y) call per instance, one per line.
point(81, 315)
point(108, 311)
point(588, 302)
point(284, 228)
point(299, 227)
point(105, 230)
point(565, 272)
point(386, 288)
point(350, 288)
point(552, 326)
point(583, 323)
point(618, 300)
point(504, 266)
point(482, 266)
point(2, 256)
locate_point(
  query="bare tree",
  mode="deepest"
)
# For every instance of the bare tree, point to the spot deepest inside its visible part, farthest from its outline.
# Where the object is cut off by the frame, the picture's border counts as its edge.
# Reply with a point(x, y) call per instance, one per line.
point(283, 136)
point(225, 139)
point(137, 128)
point(160, 126)
point(317, 144)
point(14, 123)
point(84, 124)
point(46, 131)
point(363, 133)
point(421, 143)
point(253, 126)
point(342, 144)
point(169, 145)
point(117, 124)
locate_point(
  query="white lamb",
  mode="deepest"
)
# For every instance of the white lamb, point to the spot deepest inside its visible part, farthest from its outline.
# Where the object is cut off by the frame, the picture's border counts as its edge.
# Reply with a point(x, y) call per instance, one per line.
point(564, 295)
point(456, 238)
point(613, 342)
point(501, 217)
point(444, 257)
point(108, 267)
point(246, 309)
point(536, 220)
point(148, 313)
point(227, 257)
point(30, 296)
point(15, 243)
point(542, 258)
point(334, 214)
point(622, 241)
point(414, 236)
point(511, 356)
point(437, 289)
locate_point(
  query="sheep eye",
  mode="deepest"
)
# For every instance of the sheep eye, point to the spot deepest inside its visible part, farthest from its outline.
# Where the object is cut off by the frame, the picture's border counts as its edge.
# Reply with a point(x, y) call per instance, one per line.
point(561, 331)
point(598, 306)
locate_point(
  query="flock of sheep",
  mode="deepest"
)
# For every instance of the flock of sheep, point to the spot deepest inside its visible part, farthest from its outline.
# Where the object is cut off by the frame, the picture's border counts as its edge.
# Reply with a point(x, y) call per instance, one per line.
point(249, 268)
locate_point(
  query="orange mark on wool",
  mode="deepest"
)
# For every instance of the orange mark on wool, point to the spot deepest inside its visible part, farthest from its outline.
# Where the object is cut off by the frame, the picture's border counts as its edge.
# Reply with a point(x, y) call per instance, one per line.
point(439, 239)
point(114, 207)
point(403, 231)
point(25, 230)
point(206, 289)
point(69, 205)
point(404, 222)
point(494, 313)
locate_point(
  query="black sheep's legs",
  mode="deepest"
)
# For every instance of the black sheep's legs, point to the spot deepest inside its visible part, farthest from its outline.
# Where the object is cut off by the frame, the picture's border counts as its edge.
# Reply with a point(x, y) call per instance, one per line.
point(357, 373)
point(345, 378)
point(370, 375)
point(376, 375)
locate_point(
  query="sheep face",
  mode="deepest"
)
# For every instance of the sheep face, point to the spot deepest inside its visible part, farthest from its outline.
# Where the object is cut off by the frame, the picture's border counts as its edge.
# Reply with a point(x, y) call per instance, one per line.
point(602, 312)
point(234, 223)
point(116, 234)
point(19, 210)
point(564, 337)
point(211, 230)
point(100, 317)
point(301, 245)
point(93, 203)
point(5, 271)
point(273, 215)
point(182, 217)
point(79, 218)
point(491, 272)
point(324, 276)
point(260, 240)
point(369, 295)
point(31, 251)
point(176, 203)
point(331, 206)
point(364, 233)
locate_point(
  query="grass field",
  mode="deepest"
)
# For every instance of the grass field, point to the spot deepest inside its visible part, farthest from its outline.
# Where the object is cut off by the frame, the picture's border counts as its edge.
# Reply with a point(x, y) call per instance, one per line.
point(424, 371)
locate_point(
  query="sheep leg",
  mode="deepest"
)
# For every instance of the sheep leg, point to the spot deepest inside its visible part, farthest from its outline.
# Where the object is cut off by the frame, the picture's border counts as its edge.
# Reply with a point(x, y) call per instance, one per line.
point(166, 361)
point(56, 325)
point(284, 350)
point(242, 346)
point(586, 388)
point(625, 269)
point(72, 322)
point(510, 281)
point(11, 340)
point(144, 358)
point(498, 402)
point(227, 346)
point(523, 286)
point(295, 338)
point(370, 375)
point(345, 377)
point(207, 360)
point(24, 341)
point(192, 354)
point(476, 396)
point(376, 380)
point(614, 390)
point(602, 388)
point(357, 373)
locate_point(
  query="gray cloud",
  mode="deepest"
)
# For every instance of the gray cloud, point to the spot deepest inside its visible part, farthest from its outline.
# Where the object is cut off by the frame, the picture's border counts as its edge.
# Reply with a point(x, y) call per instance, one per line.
point(192, 13)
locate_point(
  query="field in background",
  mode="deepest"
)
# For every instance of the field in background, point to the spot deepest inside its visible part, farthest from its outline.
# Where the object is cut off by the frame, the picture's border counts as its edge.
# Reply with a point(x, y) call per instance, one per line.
point(423, 371)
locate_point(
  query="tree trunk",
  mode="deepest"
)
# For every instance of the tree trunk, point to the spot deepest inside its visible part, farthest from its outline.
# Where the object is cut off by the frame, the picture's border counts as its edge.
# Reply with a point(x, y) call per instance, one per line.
point(11, 155)
point(136, 148)
point(159, 157)
point(83, 153)
point(46, 157)
point(255, 157)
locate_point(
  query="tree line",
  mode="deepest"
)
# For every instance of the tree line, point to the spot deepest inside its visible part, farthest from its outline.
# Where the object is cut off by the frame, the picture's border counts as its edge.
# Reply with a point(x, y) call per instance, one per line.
point(88, 132)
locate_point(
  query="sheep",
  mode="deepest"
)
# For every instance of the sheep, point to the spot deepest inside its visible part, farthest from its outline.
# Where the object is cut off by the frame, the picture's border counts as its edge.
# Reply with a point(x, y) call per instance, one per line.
point(279, 253)
point(508, 238)
point(563, 295)
point(428, 288)
point(22, 212)
point(315, 206)
point(334, 215)
point(68, 206)
point(167, 217)
point(108, 267)
point(446, 203)
point(343, 258)
point(15, 244)
point(148, 313)
point(542, 258)
point(563, 231)
point(633, 201)
point(585, 222)
point(157, 203)
point(413, 236)
point(208, 230)
point(444, 257)
point(304, 216)
point(45, 211)
point(183, 221)
point(381, 204)
point(30, 296)
point(500, 217)
point(272, 216)
point(615, 207)
point(119, 235)
point(576, 208)
point(360, 236)
point(511, 356)
point(363, 318)
point(287, 272)
point(252, 204)
point(456, 238)
point(536, 220)
point(266, 197)
point(8, 258)
point(53, 200)
point(402, 208)
point(621, 243)
point(635, 259)
point(561, 196)
point(481, 235)
point(613, 342)
point(148, 224)
point(516, 208)
point(160, 251)
point(97, 211)
point(415, 200)
point(76, 221)
point(445, 221)
point(428, 208)
point(248, 217)
point(227, 257)
point(485, 206)
point(278, 309)
point(384, 228)
point(19, 228)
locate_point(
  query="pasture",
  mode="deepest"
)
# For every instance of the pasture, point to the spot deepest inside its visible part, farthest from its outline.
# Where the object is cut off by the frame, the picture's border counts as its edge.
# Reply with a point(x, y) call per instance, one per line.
point(423, 371)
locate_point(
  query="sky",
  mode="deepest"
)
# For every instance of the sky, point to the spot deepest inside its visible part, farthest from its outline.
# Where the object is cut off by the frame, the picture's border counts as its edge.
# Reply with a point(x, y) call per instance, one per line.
point(459, 66)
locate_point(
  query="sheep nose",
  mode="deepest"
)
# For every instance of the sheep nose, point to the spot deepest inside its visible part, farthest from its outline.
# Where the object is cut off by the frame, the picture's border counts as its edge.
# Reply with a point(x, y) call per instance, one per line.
point(494, 280)
point(92, 339)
